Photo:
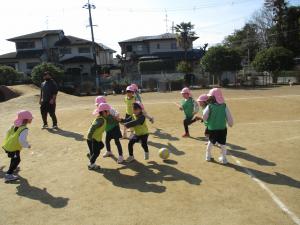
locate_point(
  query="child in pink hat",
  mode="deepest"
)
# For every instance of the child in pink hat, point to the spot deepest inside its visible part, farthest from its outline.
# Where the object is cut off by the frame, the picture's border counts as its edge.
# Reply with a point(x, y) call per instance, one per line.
point(217, 115)
point(102, 99)
point(15, 140)
point(190, 108)
point(95, 134)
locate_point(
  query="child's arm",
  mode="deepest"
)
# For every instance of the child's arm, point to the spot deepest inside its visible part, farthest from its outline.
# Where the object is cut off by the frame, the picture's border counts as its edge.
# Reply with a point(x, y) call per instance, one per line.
point(23, 139)
point(136, 122)
point(229, 117)
point(196, 107)
point(138, 97)
point(150, 118)
point(98, 123)
point(205, 113)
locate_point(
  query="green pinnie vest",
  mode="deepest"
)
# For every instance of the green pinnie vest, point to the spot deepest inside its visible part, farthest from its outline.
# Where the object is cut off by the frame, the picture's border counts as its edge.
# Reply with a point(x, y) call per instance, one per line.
point(98, 133)
point(111, 123)
point(188, 108)
point(217, 117)
point(11, 142)
point(141, 129)
point(129, 105)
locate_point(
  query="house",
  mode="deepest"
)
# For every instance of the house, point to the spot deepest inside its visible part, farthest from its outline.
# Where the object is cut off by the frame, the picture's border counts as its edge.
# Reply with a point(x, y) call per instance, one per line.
point(162, 46)
point(54, 46)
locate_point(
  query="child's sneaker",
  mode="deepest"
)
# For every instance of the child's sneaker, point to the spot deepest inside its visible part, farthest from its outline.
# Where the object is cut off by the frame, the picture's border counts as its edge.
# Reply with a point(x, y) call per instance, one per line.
point(146, 156)
point(223, 160)
point(186, 135)
point(208, 158)
point(120, 159)
point(93, 167)
point(45, 126)
point(107, 154)
point(10, 177)
point(55, 127)
point(130, 159)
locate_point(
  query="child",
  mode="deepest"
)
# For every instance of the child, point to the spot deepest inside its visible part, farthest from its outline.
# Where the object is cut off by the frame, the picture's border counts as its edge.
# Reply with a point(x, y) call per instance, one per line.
point(202, 100)
point(216, 114)
point(112, 131)
point(190, 108)
point(15, 140)
point(140, 131)
point(129, 100)
point(139, 99)
point(95, 133)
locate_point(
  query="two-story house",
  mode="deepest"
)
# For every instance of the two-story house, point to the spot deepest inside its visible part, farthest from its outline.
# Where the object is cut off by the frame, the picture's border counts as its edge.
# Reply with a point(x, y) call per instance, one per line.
point(53, 46)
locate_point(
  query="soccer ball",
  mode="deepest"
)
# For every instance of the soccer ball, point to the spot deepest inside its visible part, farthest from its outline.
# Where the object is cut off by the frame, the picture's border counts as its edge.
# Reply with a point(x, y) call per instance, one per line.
point(164, 153)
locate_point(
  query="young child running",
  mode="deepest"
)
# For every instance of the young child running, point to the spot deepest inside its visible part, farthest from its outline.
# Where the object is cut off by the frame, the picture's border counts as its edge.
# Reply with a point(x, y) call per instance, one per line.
point(15, 140)
point(112, 131)
point(202, 100)
point(190, 108)
point(215, 115)
point(129, 100)
point(139, 99)
point(95, 133)
point(140, 131)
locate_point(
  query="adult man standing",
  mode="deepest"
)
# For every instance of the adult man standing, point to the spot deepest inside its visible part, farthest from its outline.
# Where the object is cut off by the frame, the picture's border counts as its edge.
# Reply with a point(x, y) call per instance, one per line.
point(48, 99)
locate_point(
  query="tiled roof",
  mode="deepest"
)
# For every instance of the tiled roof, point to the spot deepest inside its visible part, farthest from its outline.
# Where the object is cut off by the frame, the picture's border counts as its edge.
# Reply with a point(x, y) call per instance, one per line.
point(36, 35)
point(77, 59)
point(11, 55)
point(166, 36)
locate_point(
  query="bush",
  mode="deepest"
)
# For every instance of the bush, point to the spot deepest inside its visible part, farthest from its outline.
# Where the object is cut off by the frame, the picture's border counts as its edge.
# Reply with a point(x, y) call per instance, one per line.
point(156, 66)
point(184, 67)
point(39, 70)
point(8, 75)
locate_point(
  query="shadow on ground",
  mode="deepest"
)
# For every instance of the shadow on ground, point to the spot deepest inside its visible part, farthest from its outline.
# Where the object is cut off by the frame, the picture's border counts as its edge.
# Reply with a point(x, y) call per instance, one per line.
point(148, 178)
point(168, 146)
point(68, 134)
point(159, 133)
point(24, 189)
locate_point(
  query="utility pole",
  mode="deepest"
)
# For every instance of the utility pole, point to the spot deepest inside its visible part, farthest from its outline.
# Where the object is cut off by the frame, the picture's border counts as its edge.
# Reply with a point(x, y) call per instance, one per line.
point(166, 20)
point(173, 27)
point(89, 7)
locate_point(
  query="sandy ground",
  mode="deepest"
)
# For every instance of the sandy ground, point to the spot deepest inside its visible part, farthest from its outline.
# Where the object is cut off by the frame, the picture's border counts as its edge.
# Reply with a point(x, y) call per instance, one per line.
point(56, 187)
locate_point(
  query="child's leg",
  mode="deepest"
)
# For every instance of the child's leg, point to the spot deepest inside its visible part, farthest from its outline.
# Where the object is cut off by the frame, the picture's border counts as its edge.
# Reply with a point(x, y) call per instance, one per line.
point(186, 126)
point(132, 141)
point(119, 146)
point(107, 143)
point(96, 148)
point(208, 151)
point(90, 145)
point(144, 142)
point(14, 161)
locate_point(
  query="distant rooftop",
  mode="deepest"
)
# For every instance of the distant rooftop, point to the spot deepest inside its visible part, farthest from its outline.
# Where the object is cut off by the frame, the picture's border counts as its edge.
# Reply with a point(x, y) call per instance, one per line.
point(166, 36)
point(36, 35)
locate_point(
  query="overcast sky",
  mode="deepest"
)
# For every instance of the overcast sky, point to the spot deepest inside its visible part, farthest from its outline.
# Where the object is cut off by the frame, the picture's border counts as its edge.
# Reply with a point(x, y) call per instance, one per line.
point(119, 20)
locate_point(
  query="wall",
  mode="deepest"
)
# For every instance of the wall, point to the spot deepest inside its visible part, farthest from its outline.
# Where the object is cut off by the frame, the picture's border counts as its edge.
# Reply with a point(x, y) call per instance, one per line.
point(38, 44)
point(143, 51)
point(22, 65)
point(165, 46)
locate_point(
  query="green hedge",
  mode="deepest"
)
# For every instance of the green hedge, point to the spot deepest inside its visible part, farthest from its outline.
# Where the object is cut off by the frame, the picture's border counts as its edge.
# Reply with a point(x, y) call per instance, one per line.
point(156, 66)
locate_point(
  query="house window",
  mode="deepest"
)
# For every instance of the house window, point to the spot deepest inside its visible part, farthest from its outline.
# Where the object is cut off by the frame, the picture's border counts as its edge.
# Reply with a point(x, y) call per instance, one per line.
point(84, 50)
point(31, 65)
point(64, 51)
point(25, 45)
point(173, 45)
point(158, 46)
point(139, 48)
point(128, 48)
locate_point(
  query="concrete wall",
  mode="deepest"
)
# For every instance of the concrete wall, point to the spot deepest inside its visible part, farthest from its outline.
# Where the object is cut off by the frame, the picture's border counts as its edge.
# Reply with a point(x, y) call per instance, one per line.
point(165, 46)
point(22, 65)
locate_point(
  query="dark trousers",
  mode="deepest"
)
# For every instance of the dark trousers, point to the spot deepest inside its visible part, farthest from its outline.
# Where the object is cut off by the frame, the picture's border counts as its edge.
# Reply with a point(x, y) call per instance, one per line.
point(186, 123)
point(15, 160)
point(135, 139)
point(95, 148)
point(46, 108)
point(117, 142)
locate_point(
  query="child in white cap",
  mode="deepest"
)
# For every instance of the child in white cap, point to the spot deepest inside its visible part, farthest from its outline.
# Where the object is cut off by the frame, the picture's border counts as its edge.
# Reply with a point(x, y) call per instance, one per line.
point(216, 114)
point(190, 108)
point(15, 140)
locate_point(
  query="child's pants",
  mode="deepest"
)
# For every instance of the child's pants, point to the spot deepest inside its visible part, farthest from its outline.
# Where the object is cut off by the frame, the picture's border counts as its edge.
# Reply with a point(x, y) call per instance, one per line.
point(117, 142)
point(136, 139)
point(15, 160)
point(186, 123)
point(95, 148)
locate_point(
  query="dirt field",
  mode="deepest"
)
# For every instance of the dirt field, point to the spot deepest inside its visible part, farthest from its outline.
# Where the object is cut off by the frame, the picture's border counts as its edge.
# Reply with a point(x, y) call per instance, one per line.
point(260, 185)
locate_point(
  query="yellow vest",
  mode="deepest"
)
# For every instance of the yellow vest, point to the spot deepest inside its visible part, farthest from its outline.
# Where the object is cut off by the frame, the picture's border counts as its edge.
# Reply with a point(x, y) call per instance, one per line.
point(98, 134)
point(141, 129)
point(11, 142)
point(129, 105)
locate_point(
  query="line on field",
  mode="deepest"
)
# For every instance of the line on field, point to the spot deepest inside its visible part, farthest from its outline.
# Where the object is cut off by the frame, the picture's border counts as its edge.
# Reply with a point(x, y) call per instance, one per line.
point(278, 202)
point(272, 121)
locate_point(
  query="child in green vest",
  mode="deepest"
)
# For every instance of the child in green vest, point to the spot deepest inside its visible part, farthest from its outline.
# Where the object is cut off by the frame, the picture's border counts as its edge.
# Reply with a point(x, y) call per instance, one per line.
point(216, 115)
point(202, 100)
point(129, 100)
point(190, 107)
point(141, 132)
point(95, 133)
point(15, 140)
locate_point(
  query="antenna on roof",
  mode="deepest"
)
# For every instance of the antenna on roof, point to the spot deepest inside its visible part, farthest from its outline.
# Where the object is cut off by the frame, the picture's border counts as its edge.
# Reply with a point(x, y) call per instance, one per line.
point(173, 27)
point(47, 22)
point(166, 20)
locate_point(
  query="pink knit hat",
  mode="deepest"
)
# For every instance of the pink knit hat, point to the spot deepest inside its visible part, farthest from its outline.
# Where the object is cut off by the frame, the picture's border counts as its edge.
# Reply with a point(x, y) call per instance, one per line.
point(100, 99)
point(217, 93)
point(135, 87)
point(21, 116)
point(102, 107)
point(186, 91)
point(130, 88)
point(202, 98)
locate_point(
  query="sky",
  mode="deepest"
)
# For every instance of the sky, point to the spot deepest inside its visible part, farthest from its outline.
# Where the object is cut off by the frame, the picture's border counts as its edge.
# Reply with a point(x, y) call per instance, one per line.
point(118, 20)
